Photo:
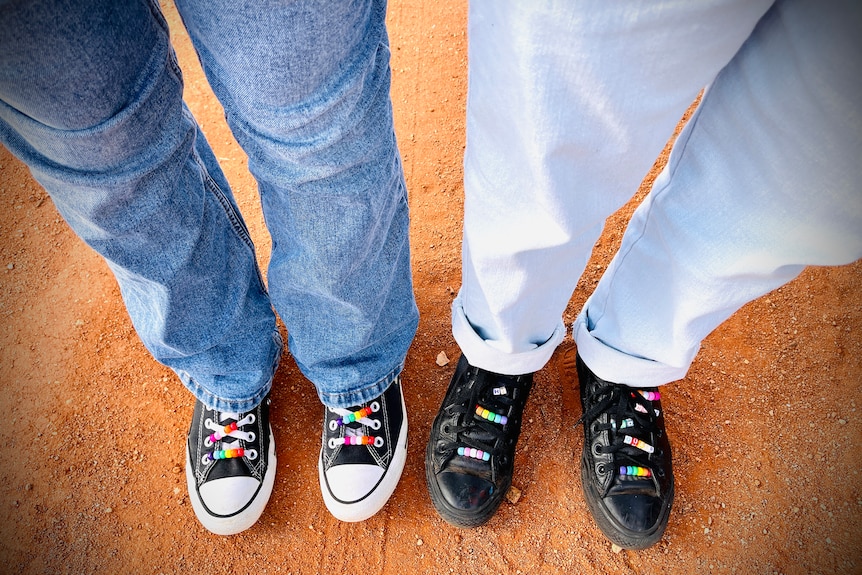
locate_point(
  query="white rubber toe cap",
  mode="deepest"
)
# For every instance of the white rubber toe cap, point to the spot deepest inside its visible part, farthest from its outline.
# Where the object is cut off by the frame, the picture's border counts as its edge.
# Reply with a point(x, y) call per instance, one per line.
point(229, 495)
point(349, 483)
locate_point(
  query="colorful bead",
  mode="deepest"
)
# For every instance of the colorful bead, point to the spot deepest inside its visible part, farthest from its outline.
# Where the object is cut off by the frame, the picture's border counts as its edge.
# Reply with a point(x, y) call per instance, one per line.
point(650, 395)
point(353, 417)
point(640, 444)
point(474, 453)
point(223, 433)
point(627, 422)
point(500, 390)
point(635, 471)
point(225, 454)
point(355, 440)
point(491, 416)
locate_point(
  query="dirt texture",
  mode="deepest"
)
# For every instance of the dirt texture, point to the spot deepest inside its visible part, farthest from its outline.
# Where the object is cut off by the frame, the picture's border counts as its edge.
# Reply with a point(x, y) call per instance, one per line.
point(766, 426)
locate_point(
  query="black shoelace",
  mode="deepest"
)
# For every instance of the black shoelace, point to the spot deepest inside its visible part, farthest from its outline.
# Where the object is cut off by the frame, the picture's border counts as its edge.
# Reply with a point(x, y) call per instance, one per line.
point(632, 422)
point(480, 422)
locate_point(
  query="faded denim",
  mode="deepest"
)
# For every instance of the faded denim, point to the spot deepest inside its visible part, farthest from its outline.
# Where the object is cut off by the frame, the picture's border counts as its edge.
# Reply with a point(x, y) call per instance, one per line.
point(91, 101)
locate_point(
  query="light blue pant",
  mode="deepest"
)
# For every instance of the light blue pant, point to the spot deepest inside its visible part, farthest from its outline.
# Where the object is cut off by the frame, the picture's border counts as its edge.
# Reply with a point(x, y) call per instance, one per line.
point(569, 104)
point(91, 100)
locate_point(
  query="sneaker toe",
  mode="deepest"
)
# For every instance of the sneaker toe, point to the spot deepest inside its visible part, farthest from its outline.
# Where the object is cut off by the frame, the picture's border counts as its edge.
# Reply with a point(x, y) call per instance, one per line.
point(638, 513)
point(349, 483)
point(463, 491)
point(228, 495)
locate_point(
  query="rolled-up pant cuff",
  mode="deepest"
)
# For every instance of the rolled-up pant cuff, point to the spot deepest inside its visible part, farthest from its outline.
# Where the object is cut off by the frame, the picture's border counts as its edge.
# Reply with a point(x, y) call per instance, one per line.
point(618, 367)
point(485, 354)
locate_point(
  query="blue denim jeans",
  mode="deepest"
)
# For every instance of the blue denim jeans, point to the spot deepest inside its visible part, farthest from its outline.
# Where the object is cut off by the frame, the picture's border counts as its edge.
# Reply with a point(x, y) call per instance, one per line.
point(91, 101)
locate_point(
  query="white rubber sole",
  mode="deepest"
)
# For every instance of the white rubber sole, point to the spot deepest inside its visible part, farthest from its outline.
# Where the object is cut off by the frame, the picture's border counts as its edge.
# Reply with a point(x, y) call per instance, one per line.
point(374, 502)
point(248, 516)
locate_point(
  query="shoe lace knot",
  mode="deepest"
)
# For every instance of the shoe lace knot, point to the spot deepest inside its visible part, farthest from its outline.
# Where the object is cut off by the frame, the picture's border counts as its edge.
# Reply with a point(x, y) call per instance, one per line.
point(229, 439)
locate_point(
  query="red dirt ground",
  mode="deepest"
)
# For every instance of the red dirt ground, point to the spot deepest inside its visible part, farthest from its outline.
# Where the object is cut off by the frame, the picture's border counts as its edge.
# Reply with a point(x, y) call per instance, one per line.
point(766, 427)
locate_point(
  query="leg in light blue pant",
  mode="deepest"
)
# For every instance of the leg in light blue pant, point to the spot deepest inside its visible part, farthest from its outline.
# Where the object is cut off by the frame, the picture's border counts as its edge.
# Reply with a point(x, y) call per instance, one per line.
point(568, 106)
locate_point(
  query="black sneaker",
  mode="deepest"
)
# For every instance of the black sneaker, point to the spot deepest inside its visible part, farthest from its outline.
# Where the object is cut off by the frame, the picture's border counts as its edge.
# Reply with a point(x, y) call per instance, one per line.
point(471, 452)
point(230, 467)
point(363, 454)
point(626, 468)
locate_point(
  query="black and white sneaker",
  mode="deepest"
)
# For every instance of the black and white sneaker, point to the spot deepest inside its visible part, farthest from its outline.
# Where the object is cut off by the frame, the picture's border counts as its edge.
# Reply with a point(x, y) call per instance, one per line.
point(626, 470)
point(363, 454)
point(470, 456)
point(230, 467)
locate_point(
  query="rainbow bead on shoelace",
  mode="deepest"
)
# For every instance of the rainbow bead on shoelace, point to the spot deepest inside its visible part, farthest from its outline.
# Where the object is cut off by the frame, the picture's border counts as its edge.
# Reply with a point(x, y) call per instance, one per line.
point(649, 396)
point(355, 440)
point(231, 430)
point(474, 453)
point(635, 471)
point(224, 454)
point(353, 417)
point(216, 436)
point(490, 415)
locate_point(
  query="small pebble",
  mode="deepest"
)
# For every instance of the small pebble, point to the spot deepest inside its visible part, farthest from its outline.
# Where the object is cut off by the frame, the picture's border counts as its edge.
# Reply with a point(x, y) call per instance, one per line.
point(513, 495)
point(419, 542)
point(442, 359)
point(616, 548)
point(10, 266)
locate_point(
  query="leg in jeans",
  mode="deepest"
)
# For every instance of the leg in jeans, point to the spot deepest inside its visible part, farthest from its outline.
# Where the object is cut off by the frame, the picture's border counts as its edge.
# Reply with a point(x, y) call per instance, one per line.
point(93, 106)
point(305, 87)
point(130, 170)
point(308, 100)
point(763, 181)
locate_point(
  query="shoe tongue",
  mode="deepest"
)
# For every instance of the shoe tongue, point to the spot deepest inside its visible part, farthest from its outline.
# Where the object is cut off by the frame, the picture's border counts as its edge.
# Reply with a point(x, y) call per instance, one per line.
point(233, 467)
point(355, 454)
point(640, 486)
point(470, 466)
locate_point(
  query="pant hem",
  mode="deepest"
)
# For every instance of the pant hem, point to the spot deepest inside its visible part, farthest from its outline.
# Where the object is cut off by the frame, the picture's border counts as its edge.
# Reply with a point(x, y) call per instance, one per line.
point(613, 365)
point(350, 398)
point(482, 354)
point(240, 405)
